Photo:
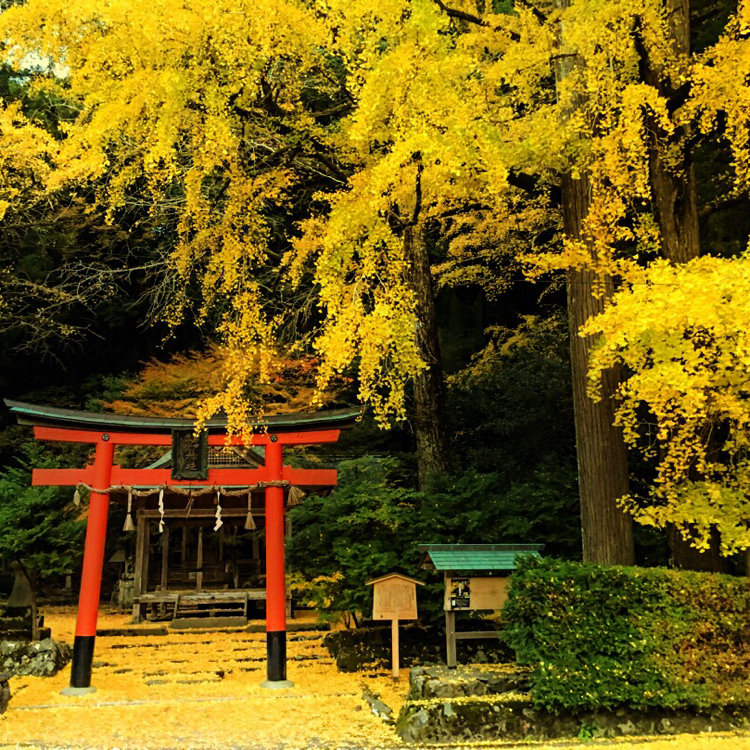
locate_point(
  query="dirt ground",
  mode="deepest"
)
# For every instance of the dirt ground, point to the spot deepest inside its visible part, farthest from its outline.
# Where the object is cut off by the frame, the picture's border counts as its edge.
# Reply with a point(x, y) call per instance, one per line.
point(202, 690)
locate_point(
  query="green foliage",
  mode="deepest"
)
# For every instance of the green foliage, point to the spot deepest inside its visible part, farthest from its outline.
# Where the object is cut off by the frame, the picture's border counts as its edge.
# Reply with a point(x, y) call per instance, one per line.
point(511, 406)
point(371, 524)
point(38, 526)
point(363, 530)
point(606, 636)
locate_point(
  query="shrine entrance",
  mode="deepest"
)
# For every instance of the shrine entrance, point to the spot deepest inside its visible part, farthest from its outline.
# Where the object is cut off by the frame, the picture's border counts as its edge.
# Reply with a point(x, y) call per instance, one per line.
point(190, 486)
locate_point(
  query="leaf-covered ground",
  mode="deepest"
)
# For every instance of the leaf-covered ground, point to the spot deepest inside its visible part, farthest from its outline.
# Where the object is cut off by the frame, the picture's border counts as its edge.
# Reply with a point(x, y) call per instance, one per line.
point(202, 690)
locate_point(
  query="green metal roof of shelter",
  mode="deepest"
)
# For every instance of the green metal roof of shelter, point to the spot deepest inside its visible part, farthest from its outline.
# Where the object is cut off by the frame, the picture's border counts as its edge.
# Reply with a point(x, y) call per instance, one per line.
point(476, 556)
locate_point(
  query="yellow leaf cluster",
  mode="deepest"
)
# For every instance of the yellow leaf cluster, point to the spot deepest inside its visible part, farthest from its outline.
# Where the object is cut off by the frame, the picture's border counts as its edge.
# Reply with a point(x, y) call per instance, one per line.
point(168, 121)
point(683, 333)
point(24, 154)
point(721, 94)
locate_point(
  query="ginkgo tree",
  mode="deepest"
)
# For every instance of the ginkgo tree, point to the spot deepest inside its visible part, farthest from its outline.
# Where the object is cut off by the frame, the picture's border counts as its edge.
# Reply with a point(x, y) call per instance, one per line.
point(429, 170)
point(683, 331)
point(200, 119)
point(462, 126)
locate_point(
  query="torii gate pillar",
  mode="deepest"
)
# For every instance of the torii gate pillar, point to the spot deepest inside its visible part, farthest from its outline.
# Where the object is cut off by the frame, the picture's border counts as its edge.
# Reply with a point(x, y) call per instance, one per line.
point(91, 574)
point(275, 574)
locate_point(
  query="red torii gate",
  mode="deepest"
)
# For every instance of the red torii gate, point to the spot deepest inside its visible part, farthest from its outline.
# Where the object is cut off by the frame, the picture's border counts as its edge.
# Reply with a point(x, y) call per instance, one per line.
point(105, 431)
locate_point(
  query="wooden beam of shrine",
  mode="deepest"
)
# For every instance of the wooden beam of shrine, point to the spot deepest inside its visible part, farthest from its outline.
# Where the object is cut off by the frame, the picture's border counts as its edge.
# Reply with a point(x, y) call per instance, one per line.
point(163, 478)
point(311, 477)
point(308, 437)
point(62, 434)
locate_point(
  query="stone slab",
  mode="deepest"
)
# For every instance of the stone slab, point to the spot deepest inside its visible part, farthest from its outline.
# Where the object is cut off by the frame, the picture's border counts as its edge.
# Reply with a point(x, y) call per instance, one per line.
point(207, 623)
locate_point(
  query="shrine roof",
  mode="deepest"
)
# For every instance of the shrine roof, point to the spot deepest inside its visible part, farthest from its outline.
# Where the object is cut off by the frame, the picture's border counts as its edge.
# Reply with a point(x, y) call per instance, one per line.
point(52, 416)
point(476, 556)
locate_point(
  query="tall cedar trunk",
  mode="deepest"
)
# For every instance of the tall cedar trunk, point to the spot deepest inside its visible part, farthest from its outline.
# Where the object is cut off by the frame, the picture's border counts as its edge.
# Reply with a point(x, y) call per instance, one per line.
point(602, 456)
point(607, 532)
point(429, 386)
point(676, 211)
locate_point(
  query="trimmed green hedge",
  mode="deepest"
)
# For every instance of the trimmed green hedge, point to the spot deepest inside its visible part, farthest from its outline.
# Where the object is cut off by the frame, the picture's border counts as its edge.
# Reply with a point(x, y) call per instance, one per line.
point(606, 636)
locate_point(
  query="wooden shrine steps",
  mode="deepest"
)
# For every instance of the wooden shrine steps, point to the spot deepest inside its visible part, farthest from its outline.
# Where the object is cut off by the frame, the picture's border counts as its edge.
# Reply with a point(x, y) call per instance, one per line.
point(191, 603)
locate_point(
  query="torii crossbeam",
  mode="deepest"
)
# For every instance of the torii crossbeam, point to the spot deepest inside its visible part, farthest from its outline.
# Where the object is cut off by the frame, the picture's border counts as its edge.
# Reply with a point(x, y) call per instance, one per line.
point(106, 431)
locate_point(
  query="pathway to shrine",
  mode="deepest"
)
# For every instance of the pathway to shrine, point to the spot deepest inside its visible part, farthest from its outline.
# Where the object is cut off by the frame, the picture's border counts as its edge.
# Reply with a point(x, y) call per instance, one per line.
point(191, 475)
point(201, 690)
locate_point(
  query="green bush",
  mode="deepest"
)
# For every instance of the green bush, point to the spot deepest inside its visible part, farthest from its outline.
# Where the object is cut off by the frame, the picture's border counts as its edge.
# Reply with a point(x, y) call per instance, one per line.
point(606, 636)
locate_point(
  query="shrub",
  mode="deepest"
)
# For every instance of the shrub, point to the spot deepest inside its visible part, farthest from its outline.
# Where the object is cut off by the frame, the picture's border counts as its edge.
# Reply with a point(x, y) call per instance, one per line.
point(606, 636)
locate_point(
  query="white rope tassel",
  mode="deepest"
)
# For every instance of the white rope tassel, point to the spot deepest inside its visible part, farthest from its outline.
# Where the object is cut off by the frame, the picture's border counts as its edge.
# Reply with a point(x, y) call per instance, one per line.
point(161, 511)
point(77, 497)
point(219, 523)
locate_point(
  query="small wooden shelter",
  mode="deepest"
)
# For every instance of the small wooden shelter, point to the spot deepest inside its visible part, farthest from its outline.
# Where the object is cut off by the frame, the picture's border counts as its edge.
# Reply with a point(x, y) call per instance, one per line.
point(476, 578)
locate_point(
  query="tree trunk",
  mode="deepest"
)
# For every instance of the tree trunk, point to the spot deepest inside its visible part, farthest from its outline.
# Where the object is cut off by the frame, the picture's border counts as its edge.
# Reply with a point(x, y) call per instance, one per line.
point(607, 531)
point(676, 210)
point(673, 187)
point(429, 385)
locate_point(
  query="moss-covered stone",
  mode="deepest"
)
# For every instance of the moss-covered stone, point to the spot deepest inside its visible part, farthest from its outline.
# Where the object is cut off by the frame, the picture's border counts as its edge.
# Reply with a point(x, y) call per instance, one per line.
point(495, 718)
point(443, 682)
point(371, 646)
point(41, 658)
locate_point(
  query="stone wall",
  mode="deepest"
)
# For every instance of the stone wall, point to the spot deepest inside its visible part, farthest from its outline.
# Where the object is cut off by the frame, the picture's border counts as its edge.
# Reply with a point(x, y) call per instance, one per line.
point(40, 658)
point(491, 703)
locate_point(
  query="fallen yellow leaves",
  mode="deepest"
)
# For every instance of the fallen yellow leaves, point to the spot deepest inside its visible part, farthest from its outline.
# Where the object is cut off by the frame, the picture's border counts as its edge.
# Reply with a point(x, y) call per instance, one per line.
point(202, 690)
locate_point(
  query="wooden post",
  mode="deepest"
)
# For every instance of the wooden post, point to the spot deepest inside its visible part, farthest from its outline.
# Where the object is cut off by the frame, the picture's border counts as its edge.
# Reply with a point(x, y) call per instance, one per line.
point(164, 557)
point(256, 553)
point(199, 561)
point(183, 545)
point(141, 550)
point(146, 553)
point(450, 638)
point(394, 648)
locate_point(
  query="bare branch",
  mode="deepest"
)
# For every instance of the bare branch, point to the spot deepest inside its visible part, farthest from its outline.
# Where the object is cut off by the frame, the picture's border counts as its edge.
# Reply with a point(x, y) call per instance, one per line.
point(460, 14)
point(722, 204)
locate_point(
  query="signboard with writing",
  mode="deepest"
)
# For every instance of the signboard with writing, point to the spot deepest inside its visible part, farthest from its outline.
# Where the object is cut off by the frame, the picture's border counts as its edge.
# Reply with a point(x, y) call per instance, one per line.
point(189, 454)
point(395, 598)
point(458, 593)
point(478, 592)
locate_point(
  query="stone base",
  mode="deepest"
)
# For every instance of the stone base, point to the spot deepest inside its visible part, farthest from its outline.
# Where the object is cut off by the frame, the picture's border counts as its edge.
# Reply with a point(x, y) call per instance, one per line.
point(73, 691)
point(366, 647)
point(467, 705)
point(276, 684)
point(39, 658)
point(207, 623)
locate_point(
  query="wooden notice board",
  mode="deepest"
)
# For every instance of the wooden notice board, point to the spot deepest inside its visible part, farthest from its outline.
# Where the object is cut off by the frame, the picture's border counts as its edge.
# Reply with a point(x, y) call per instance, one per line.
point(477, 592)
point(395, 598)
